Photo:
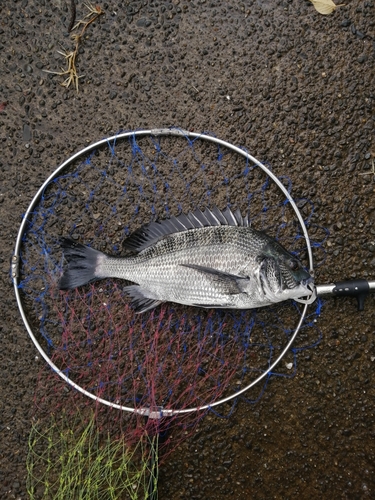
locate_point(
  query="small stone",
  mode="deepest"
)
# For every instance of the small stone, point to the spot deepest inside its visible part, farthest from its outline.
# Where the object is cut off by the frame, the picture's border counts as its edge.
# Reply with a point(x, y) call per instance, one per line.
point(26, 134)
point(144, 22)
point(359, 34)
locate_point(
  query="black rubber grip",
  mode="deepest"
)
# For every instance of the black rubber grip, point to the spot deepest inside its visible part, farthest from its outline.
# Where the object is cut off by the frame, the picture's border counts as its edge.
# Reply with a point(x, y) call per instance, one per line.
point(358, 288)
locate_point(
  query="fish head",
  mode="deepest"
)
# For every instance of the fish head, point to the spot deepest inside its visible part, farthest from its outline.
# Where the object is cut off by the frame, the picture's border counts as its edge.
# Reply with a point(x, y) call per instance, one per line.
point(284, 274)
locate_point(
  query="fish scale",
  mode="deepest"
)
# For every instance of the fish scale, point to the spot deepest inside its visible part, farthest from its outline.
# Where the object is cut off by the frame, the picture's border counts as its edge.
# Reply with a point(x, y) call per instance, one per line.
point(188, 260)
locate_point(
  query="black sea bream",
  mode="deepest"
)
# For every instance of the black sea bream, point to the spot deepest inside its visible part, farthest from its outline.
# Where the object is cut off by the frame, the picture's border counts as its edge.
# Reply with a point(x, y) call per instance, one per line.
point(206, 259)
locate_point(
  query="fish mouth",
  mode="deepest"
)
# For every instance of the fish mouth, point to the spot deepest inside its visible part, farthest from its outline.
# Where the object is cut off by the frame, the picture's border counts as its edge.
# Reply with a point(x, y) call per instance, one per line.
point(308, 281)
point(301, 278)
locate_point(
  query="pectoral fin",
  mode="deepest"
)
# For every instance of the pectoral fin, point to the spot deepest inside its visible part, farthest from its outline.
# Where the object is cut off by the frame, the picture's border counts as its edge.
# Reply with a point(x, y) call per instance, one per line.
point(229, 283)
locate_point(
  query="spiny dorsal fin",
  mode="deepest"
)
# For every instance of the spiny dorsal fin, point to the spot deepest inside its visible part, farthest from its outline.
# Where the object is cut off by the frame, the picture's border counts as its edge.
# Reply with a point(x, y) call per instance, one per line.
point(150, 234)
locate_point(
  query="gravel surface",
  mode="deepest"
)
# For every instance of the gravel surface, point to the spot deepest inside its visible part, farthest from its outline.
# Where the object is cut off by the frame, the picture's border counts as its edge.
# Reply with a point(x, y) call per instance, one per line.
point(297, 89)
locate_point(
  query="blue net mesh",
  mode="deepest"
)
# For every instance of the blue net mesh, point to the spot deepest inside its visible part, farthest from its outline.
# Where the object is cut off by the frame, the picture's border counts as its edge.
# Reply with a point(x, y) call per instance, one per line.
point(174, 357)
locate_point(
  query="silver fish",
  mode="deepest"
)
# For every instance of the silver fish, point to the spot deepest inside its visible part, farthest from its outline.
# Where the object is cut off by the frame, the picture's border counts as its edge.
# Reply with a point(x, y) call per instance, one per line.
point(207, 259)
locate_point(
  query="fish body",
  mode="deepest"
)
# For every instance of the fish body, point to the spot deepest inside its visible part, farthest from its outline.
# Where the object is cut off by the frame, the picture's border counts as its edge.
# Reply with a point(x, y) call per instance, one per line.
point(211, 259)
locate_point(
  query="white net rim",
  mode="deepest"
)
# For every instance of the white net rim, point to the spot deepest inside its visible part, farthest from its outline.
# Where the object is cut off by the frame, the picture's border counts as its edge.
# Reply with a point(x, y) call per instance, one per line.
point(113, 139)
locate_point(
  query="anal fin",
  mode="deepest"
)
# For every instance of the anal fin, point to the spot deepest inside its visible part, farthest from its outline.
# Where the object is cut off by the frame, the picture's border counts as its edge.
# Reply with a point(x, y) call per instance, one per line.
point(141, 302)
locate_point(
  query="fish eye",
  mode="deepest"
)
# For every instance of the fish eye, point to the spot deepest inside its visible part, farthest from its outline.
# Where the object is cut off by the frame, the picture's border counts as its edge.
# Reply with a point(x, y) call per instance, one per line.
point(293, 264)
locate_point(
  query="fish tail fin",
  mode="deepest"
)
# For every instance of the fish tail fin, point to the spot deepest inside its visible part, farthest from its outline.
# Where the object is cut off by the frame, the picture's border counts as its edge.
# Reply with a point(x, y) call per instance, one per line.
point(83, 262)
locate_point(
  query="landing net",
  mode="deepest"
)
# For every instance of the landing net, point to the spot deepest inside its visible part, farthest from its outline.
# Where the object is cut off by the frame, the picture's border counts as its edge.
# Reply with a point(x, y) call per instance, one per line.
point(175, 362)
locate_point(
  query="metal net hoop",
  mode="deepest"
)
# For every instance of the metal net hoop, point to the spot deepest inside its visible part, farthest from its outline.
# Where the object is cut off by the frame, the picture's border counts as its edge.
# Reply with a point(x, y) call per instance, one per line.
point(111, 143)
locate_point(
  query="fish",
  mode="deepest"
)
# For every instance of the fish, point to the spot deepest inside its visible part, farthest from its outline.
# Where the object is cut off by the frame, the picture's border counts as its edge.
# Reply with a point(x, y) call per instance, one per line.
point(210, 259)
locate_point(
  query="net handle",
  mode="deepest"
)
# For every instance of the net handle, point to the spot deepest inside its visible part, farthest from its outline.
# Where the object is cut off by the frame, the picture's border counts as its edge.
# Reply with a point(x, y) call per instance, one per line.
point(140, 133)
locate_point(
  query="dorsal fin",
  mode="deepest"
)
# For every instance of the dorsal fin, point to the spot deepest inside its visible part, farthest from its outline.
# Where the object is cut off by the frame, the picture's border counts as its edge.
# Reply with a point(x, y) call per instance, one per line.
point(150, 234)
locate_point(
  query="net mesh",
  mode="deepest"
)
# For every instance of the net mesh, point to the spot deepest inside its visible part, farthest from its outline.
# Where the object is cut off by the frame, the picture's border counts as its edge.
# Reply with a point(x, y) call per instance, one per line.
point(173, 358)
point(78, 451)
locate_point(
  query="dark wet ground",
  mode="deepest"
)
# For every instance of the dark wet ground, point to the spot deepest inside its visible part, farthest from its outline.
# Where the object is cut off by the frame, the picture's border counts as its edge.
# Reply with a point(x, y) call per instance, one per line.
point(294, 87)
